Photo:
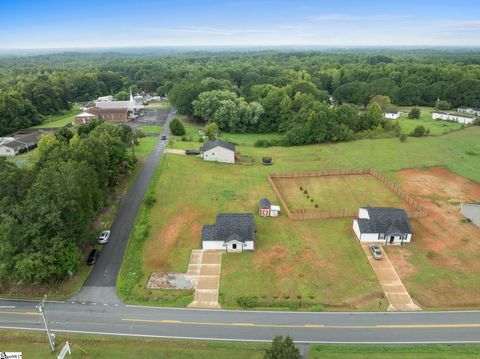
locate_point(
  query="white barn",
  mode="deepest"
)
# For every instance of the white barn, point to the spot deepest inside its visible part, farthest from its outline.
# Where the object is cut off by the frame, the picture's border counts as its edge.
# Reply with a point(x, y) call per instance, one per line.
point(218, 151)
point(382, 225)
point(392, 114)
point(232, 232)
point(449, 116)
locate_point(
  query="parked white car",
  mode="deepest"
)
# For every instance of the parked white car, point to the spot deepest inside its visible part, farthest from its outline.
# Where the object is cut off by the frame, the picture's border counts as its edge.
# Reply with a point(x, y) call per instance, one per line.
point(104, 236)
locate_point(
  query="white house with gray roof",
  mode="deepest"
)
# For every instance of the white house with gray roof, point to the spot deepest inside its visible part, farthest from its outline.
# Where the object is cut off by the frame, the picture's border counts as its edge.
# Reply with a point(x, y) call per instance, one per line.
point(451, 116)
point(382, 225)
point(218, 151)
point(232, 232)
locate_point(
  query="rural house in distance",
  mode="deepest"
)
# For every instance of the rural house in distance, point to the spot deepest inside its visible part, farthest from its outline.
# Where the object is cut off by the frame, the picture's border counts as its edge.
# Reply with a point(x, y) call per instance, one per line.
point(382, 225)
point(450, 116)
point(392, 114)
point(218, 151)
point(232, 232)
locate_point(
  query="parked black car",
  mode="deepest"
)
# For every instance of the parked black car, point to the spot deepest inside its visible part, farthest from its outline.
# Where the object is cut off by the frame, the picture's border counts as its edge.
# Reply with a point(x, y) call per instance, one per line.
point(192, 152)
point(164, 138)
point(92, 257)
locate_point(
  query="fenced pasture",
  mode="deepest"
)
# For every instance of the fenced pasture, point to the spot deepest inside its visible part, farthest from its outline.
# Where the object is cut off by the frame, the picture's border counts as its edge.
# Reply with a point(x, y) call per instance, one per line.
point(338, 193)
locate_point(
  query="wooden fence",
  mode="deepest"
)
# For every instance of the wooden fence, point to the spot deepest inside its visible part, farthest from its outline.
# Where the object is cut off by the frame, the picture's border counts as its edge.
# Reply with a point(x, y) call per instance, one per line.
point(299, 214)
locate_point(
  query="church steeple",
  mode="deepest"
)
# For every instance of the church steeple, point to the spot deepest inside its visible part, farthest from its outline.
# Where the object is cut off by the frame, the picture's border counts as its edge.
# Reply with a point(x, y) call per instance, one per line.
point(131, 96)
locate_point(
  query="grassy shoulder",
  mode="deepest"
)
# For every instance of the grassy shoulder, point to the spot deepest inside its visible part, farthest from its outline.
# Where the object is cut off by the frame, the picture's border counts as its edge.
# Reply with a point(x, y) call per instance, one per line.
point(35, 345)
point(62, 119)
point(459, 351)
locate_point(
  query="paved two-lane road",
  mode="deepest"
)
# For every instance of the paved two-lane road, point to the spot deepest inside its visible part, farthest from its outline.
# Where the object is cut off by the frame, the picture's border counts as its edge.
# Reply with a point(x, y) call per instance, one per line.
point(119, 319)
point(100, 285)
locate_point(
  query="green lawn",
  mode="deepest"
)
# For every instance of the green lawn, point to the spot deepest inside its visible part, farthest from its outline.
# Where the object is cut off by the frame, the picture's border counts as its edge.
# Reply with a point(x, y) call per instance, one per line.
point(297, 264)
point(61, 120)
point(145, 145)
point(394, 351)
point(436, 127)
point(162, 104)
point(335, 193)
point(152, 129)
point(35, 345)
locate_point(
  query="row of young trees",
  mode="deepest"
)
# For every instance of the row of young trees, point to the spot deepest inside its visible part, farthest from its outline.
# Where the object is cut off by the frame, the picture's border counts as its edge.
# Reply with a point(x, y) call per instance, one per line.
point(47, 211)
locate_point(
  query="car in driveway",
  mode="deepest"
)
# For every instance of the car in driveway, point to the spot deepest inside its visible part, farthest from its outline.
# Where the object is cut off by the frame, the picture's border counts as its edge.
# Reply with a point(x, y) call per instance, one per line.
point(376, 252)
point(104, 237)
point(93, 257)
point(192, 152)
point(164, 138)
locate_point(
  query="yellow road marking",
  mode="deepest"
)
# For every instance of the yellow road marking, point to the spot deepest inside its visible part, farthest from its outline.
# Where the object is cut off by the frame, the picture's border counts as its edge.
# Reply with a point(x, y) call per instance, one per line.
point(308, 326)
point(21, 313)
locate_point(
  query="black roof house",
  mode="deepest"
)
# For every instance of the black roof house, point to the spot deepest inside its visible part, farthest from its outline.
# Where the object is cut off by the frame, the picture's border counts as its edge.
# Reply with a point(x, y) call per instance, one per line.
point(389, 221)
point(230, 227)
point(212, 144)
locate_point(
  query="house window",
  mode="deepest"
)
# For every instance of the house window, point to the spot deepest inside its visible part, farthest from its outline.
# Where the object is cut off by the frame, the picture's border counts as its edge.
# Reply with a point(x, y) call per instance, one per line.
point(381, 236)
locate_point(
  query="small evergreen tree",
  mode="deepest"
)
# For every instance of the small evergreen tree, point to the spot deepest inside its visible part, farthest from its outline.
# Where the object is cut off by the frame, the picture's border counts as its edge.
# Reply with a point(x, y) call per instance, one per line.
point(443, 105)
point(414, 113)
point(282, 349)
point(419, 131)
point(177, 127)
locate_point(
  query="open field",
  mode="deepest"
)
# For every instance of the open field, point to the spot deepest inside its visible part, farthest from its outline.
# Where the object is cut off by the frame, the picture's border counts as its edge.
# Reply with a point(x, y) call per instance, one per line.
point(335, 193)
point(61, 120)
point(35, 345)
point(441, 267)
point(394, 351)
point(332, 273)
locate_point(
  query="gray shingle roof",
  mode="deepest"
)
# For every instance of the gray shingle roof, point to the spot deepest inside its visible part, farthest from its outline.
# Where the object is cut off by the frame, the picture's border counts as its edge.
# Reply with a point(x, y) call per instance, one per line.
point(230, 226)
point(264, 203)
point(212, 144)
point(385, 220)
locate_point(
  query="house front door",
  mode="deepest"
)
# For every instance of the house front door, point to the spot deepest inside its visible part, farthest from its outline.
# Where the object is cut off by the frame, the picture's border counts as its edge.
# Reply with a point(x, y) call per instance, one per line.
point(392, 238)
point(234, 246)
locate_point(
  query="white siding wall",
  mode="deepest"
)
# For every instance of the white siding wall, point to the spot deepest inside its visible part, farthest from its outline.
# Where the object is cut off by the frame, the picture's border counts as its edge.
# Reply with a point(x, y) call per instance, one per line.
point(452, 117)
point(392, 116)
point(356, 229)
point(212, 245)
point(219, 154)
point(371, 238)
point(248, 246)
point(363, 213)
point(7, 151)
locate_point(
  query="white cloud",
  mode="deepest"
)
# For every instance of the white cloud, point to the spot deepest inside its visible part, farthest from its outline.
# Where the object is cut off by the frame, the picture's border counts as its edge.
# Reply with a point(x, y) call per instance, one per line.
point(349, 17)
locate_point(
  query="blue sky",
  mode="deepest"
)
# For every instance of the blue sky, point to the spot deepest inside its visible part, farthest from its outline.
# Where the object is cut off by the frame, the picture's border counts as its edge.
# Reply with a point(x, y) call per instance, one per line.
point(70, 24)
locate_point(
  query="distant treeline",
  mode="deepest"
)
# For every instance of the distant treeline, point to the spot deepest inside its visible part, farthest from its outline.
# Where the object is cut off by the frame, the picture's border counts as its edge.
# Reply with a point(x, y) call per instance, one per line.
point(33, 87)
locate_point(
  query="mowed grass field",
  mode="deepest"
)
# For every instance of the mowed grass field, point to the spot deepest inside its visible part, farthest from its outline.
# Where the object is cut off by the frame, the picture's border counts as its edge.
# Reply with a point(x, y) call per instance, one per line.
point(335, 193)
point(458, 351)
point(61, 120)
point(297, 264)
point(35, 345)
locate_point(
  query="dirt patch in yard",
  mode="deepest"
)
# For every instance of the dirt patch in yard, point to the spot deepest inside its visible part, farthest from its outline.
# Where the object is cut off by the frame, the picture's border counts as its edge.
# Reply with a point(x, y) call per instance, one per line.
point(182, 227)
point(442, 262)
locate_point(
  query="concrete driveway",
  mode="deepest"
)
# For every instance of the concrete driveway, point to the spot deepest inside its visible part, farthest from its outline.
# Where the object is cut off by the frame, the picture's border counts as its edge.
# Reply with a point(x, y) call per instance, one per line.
point(391, 283)
point(204, 272)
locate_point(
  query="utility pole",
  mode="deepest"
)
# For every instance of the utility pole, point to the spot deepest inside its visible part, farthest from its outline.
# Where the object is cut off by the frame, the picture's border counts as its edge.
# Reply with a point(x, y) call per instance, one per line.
point(51, 336)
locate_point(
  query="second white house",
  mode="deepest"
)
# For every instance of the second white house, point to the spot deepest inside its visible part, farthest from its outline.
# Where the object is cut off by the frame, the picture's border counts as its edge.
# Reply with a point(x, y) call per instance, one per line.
point(218, 151)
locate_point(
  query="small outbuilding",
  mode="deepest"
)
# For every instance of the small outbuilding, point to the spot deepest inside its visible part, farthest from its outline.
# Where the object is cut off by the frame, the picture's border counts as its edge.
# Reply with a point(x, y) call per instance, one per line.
point(218, 151)
point(383, 225)
point(266, 209)
point(232, 232)
point(84, 117)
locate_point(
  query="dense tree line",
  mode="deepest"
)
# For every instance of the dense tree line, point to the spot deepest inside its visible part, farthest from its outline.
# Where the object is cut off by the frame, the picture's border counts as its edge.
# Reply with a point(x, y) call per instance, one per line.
point(34, 87)
point(46, 212)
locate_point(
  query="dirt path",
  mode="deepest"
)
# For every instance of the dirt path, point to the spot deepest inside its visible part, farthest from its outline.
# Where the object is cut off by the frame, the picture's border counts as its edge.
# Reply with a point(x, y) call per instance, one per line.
point(204, 272)
point(393, 287)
